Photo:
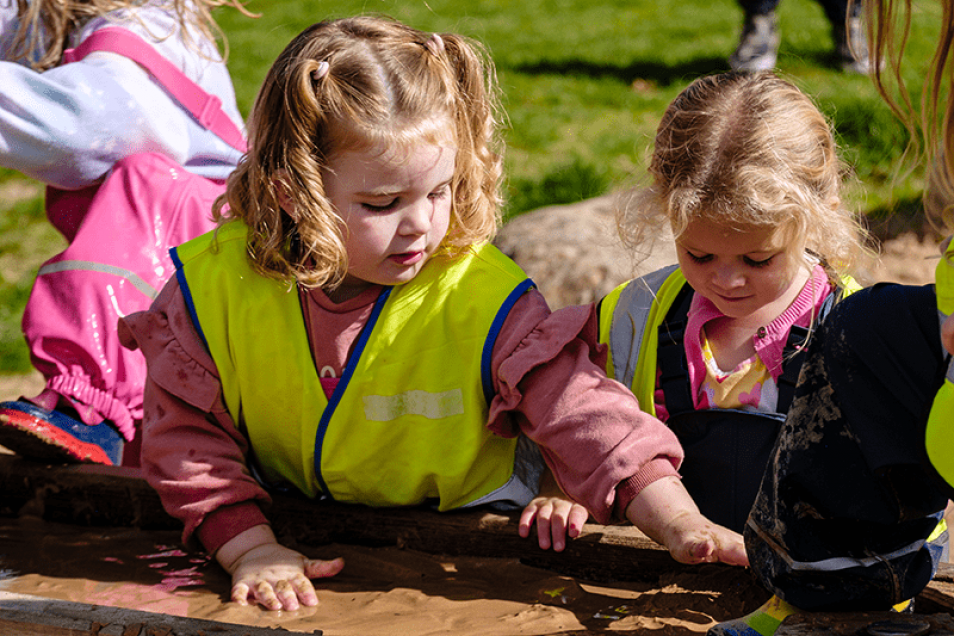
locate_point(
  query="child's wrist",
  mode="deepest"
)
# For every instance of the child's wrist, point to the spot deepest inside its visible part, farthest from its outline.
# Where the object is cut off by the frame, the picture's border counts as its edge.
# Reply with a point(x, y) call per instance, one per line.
point(658, 507)
point(241, 544)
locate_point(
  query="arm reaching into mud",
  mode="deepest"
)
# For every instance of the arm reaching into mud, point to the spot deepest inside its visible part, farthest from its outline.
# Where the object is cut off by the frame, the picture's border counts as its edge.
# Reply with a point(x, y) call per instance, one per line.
point(266, 572)
point(668, 515)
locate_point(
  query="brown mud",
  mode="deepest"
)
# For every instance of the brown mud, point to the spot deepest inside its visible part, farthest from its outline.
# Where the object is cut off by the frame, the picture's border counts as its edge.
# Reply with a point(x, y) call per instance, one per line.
point(382, 591)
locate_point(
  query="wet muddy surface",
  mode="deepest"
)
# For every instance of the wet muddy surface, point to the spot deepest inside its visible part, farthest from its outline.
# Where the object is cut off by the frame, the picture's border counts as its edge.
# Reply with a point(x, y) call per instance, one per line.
point(381, 591)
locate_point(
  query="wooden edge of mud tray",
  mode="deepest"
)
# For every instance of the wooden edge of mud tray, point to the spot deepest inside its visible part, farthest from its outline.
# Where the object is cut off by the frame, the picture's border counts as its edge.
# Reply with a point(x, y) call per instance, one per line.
point(27, 615)
point(93, 495)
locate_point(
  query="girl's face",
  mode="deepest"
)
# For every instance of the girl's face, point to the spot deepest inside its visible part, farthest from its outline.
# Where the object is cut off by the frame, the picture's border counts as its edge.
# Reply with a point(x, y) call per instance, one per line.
point(753, 275)
point(395, 203)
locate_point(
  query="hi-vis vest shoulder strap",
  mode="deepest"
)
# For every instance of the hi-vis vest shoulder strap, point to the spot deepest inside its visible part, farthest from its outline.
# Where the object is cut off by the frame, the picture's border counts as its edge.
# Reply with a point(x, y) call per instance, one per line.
point(939, 434)
point(407, 422)
point(625, 314)
point(630, 320)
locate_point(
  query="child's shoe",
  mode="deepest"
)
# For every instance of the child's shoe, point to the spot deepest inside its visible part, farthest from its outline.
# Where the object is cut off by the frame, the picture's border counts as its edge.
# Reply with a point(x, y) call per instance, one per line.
point(758, 46)
point(38, 433)
point(762, 622)
point(851, 47)
point(765, 620)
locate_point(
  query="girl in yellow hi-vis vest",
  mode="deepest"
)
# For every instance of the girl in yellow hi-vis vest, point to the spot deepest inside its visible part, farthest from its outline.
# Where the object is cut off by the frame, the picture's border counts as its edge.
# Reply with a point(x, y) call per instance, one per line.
point(849, 516)
point(746, 178)
point(348, 332)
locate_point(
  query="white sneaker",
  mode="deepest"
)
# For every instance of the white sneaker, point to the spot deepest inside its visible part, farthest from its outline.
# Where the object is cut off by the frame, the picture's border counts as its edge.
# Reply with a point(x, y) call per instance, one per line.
point(758, 46)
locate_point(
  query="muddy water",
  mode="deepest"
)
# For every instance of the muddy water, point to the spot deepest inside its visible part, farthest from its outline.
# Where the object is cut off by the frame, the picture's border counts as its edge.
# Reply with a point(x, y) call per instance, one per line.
point(381, 591)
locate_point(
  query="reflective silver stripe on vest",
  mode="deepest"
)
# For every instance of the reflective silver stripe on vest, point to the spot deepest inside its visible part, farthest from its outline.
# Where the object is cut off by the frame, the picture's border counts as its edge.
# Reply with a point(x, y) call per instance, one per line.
point(90, 266)
point(629, 321)
point(433, 406)
point(846, 563)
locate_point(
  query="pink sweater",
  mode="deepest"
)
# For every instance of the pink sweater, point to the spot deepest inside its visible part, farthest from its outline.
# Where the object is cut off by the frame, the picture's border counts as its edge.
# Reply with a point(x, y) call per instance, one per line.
point(548, 379)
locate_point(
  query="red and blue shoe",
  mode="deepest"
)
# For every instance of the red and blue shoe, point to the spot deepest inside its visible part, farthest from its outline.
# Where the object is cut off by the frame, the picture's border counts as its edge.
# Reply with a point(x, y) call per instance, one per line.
point(31, 431)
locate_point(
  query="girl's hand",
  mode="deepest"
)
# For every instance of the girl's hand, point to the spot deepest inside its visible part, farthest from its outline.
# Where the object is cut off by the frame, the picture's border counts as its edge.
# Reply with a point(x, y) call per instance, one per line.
point(269, 573)
point(693, 538)
point(668, 515)
point(279, 578)
point(556, 519)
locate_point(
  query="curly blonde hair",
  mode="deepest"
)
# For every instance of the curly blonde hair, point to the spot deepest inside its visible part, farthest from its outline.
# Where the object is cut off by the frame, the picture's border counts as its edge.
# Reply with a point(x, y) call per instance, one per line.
point(379, 83)
point(931, 124)
point(747, 151)
point(45, 25)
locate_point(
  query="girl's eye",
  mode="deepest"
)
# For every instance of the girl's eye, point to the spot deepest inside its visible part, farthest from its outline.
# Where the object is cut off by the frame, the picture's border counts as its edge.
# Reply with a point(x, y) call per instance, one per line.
point(379, 208)
point(440, 193)
point(754, 263)
point(705, 258)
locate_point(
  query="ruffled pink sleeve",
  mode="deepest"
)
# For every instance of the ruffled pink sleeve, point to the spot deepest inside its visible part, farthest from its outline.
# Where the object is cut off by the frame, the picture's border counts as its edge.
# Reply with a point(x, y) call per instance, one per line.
point(192, 452)
point(551, 385)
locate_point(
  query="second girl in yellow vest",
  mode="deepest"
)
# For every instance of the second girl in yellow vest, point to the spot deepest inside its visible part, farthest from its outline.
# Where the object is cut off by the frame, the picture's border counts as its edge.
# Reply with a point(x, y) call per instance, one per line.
point(348, 333)
point(746, 177)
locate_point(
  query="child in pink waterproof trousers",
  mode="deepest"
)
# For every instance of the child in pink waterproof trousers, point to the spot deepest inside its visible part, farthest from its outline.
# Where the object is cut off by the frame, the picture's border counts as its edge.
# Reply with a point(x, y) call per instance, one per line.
point(127, 112)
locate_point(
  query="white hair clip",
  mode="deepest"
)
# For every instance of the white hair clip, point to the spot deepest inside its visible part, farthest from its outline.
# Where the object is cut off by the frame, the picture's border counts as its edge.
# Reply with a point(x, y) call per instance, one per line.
point(435, 44)
point(321, 71)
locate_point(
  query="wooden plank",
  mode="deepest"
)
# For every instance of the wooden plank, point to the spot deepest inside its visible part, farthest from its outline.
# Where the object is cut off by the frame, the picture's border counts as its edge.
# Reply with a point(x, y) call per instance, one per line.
point(100, 495)
point(26, 615)
point(938, 596)
point(32, 629)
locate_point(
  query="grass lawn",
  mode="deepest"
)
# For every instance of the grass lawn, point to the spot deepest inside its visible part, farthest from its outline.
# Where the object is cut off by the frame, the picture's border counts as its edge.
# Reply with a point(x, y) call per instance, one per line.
point(584, 83)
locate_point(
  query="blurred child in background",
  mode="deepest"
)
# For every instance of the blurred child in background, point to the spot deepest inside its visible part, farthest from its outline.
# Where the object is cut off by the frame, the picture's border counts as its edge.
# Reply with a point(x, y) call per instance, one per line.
point(74, 105)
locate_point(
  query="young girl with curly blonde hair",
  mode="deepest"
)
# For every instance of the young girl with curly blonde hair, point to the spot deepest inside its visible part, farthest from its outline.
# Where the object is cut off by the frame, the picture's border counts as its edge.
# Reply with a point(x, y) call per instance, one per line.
point(746, 177)
point(133, 93)
point(348, 332)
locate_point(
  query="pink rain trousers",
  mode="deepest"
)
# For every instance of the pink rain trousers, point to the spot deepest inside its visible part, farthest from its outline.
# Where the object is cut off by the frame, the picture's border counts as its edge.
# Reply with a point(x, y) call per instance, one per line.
point(116, 263)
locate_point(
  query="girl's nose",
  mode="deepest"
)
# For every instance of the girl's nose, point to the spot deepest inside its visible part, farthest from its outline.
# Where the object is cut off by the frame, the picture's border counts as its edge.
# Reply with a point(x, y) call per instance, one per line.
point(728, 277)
point(417, 218)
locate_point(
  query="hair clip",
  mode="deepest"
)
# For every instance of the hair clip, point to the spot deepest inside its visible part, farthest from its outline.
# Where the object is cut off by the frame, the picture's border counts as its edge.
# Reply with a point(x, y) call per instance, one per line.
point(321, 71)
point(435, 44)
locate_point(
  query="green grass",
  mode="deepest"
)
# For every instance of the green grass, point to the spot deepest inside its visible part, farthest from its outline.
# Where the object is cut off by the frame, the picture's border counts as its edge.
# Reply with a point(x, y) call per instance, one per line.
point(584, 86)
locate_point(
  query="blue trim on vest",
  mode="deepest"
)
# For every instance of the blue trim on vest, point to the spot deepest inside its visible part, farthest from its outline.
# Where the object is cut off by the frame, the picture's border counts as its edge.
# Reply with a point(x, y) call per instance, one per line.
point(187, 294)
point(360, 344)
point(486, 377)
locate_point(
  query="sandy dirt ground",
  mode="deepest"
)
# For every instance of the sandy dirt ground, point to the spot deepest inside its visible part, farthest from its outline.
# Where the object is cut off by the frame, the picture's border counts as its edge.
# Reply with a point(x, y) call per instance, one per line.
point(908, 258)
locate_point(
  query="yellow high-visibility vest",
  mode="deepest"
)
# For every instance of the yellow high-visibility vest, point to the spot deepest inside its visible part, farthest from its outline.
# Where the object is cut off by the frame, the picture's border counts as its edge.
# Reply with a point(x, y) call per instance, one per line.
point(407, 422)
point(939, 434)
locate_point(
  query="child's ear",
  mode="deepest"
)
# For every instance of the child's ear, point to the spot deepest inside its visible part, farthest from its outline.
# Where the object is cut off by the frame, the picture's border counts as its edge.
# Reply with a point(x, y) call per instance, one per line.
point(280, 181)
